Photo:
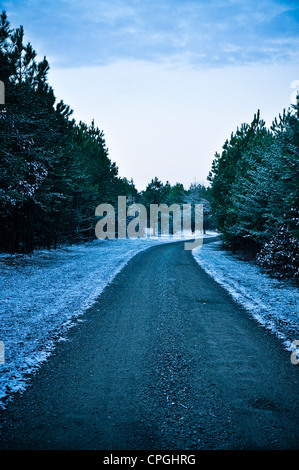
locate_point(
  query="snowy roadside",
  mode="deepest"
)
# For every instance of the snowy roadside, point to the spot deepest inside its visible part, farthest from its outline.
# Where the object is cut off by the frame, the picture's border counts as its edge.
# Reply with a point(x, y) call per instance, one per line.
point(273, 303)
point(46, 293)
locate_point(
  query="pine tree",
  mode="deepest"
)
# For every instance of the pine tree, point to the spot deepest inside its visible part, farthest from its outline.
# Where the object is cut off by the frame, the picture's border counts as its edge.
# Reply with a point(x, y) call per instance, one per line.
point(54, 172)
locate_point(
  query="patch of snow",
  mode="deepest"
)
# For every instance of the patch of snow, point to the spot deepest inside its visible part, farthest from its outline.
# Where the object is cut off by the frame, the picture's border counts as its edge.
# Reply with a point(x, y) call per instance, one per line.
point(45, 294)
point(273, 303)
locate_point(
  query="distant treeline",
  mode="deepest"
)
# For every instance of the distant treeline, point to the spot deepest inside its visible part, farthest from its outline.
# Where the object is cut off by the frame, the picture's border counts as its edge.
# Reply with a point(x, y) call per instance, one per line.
point(54, 171)
point(255, 192)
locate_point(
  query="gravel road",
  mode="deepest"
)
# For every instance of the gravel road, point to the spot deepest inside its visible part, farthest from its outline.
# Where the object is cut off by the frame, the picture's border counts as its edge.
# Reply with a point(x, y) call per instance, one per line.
point(164, 360)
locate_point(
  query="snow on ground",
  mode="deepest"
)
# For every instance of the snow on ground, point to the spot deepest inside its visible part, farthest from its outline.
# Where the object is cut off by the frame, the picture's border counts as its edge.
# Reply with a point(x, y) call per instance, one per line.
point(273, 303)
point(46, 293)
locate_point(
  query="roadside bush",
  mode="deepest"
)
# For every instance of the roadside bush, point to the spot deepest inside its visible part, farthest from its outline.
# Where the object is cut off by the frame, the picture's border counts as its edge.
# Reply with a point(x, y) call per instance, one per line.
point(280, 256)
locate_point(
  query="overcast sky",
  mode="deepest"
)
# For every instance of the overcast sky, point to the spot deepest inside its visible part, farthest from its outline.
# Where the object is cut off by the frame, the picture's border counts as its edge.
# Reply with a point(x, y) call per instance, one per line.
point(166, 80)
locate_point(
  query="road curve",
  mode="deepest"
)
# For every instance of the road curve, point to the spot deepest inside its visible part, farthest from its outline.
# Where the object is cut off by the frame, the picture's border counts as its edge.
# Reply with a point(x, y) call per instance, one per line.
point(165, 360)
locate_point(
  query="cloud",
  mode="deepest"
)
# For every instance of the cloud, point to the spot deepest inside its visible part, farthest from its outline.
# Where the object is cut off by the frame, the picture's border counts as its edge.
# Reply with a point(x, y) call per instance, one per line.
point(214, 33)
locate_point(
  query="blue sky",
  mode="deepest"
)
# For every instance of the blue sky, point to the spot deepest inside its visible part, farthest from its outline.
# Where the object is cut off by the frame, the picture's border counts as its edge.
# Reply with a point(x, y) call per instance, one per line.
point(166, 80)
point(207, 33)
